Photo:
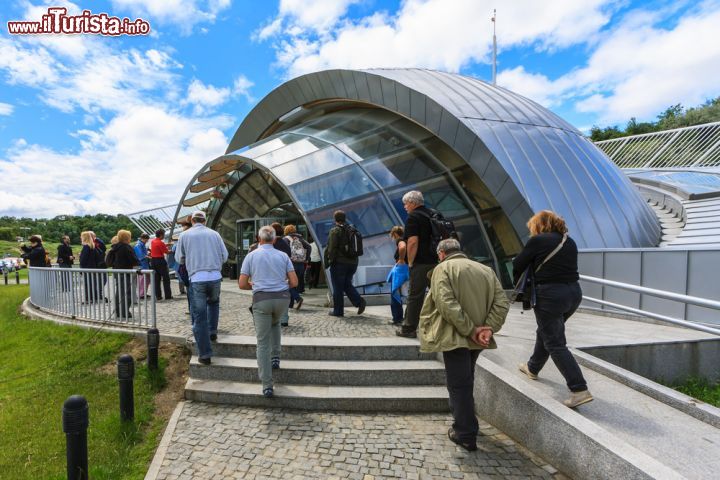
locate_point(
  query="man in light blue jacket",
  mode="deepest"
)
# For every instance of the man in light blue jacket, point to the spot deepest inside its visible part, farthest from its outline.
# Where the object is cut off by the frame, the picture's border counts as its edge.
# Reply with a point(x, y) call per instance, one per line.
point(203, 253)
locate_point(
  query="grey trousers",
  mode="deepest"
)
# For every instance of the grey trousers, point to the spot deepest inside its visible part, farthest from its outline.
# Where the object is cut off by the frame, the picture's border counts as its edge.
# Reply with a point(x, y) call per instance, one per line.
point(267, 316)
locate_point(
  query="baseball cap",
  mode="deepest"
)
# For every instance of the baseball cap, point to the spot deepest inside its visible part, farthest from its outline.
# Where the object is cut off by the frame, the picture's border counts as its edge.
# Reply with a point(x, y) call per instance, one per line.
point(198, 214)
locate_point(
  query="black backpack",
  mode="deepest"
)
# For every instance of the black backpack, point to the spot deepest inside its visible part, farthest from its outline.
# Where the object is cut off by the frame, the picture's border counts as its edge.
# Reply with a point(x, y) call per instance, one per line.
point(442, 228)
point(353, 247)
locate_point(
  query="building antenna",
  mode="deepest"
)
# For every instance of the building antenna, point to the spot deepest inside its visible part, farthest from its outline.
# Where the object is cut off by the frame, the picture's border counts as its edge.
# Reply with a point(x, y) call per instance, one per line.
point(494, 58)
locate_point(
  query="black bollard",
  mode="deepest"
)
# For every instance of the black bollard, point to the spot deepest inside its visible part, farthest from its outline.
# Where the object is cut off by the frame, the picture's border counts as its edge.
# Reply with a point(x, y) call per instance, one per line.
point(17, 277)
point(126, 373)
point(75, 419)
point(153, 344)
point(5, 275)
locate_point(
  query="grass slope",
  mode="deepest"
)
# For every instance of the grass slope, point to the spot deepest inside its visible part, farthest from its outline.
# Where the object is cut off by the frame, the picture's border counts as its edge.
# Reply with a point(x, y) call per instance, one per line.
point(43, 364)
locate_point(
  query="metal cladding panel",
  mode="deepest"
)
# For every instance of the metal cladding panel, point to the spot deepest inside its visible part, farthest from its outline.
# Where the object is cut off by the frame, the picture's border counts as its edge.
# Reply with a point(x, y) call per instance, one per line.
point(626, 268)
point(702, 266)
point(659, 272)
point(517, 147)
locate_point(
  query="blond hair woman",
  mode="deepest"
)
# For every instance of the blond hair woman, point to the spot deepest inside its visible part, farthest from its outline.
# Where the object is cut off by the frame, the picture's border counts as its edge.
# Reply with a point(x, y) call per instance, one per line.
point(551, 255)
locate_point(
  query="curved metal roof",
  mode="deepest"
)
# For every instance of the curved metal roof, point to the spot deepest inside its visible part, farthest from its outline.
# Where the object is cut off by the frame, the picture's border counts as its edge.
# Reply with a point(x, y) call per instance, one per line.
point(528, 157)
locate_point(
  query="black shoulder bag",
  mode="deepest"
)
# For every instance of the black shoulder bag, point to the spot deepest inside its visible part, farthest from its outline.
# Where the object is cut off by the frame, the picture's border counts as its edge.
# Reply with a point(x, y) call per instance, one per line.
point(525, 287)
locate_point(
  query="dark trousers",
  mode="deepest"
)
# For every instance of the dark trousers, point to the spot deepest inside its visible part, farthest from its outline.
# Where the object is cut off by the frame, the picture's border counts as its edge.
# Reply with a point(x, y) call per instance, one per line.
point(65, 277)
point(419, 283)
point(555, 303)
point(460, 378)
point(123, 296)
point(341, 276)
point(314, 279)
point(296, 291)
point(397, 310)
point(161, 273)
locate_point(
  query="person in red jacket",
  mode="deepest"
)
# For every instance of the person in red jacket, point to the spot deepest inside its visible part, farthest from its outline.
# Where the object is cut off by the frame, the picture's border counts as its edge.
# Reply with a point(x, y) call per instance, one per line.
point(158, 250)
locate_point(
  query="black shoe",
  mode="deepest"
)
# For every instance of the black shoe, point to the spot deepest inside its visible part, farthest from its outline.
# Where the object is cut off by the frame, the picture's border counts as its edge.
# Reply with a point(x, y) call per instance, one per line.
point(395, 324)
point(469, 446)
point(405, 333)
point(362, 306)
point(213, 337)
point(284, 324)
point(299, 303)
point(205, 361)
point(333, 314)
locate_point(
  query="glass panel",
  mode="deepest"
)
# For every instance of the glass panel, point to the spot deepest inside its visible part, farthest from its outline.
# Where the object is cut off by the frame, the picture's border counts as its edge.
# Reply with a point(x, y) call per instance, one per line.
point(268, 145)
point(333, 188)
point(339, 126)
point(297, 149)
point(369, 214)
point(309, 166)
point(402, 167)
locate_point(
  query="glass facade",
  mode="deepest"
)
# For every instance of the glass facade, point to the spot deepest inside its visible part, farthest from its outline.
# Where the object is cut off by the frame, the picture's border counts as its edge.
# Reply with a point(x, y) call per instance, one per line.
point(362, 161)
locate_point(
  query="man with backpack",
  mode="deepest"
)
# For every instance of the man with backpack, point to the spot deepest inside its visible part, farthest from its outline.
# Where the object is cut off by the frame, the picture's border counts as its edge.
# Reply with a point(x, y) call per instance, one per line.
point(421, 258)
point(341, 254)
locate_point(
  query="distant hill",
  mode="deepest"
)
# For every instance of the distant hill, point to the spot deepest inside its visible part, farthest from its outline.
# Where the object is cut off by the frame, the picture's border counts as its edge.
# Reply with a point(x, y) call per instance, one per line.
point(675, 116)
point(52, 229)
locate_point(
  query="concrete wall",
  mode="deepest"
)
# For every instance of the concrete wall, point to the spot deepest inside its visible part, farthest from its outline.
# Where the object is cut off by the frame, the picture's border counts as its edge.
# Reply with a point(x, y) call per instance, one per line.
point(670, 363)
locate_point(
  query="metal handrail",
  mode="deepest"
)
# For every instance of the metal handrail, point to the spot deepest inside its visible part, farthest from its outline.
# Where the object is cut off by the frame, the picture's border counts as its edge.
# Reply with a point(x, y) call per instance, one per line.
point(106, 296)
point(701, 302)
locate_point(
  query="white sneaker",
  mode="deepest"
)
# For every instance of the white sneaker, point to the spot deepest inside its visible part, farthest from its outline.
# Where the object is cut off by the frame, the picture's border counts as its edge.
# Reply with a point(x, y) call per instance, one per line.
point(578, 398)
point(523, 367)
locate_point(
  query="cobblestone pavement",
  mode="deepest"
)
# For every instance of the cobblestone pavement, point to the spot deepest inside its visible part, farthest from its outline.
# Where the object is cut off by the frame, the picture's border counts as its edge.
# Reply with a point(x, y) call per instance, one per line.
point(224, 442)
point(235, 319)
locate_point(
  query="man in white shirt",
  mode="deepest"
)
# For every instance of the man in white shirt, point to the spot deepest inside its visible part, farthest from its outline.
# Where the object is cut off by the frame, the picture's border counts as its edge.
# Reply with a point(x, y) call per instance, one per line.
point(203, 253)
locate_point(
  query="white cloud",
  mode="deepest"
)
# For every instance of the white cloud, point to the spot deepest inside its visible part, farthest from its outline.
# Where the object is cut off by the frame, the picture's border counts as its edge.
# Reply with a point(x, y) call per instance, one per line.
point(141, 158)
point(6, 109)
point(184, 13)
point(206, 97)
point(443, 34)
point(637, 69)
point(242, 86)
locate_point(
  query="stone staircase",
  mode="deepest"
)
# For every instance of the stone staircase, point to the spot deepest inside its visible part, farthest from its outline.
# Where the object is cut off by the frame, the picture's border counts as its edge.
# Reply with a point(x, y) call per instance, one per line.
point(671, 222)
point(322, 373)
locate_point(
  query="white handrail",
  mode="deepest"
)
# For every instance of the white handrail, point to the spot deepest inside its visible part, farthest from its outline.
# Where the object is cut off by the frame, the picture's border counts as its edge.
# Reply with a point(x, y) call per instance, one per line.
point(701, 302)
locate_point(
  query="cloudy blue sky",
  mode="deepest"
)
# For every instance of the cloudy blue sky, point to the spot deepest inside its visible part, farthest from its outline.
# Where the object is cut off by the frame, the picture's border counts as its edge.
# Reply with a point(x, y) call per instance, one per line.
point(117, 124)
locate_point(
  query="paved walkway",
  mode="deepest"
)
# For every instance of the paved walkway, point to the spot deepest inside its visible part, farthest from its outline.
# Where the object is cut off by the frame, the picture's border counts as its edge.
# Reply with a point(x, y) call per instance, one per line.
point(223, 442)
point(310, 321)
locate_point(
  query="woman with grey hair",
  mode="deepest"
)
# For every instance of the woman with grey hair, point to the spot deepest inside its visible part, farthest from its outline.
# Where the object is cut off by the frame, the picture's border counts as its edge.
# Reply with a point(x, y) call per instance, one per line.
point(270, 274)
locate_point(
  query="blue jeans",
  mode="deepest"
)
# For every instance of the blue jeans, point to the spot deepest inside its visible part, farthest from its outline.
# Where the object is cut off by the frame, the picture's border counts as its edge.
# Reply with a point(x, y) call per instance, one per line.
point(397, 310)
point(205, 314)
point(341, 275)
point(556, 302)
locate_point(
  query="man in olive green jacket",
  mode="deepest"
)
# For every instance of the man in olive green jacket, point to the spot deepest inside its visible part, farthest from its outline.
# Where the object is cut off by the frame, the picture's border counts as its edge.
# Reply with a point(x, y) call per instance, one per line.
point(465, 306)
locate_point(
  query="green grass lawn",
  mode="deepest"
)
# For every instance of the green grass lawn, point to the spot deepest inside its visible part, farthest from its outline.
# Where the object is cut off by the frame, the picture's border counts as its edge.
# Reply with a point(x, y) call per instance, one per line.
point(702, 390)
point(43, 364)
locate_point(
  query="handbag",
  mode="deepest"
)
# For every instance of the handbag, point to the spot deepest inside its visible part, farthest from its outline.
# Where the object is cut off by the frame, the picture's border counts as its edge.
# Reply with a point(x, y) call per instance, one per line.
point(525, 287)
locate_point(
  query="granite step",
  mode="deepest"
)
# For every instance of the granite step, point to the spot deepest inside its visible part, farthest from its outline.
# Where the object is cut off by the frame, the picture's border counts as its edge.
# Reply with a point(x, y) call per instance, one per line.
point(325, 372)
point(400, 398)
point(327, 348)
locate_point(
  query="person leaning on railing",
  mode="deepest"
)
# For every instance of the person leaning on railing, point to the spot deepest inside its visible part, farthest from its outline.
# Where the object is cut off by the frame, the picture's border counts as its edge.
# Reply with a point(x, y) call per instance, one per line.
point(552, 257)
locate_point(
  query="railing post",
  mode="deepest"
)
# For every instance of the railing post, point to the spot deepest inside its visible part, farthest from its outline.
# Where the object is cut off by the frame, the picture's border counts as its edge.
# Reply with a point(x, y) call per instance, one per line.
point(126, 373)
point(153, 312)
point(75, 420)
point(17, 277)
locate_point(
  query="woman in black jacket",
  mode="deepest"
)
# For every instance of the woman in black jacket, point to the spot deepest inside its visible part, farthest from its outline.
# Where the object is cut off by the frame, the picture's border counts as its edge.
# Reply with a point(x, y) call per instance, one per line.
point(551, 256)
point(122, 257)
point(35, 254)
point(91, 257)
